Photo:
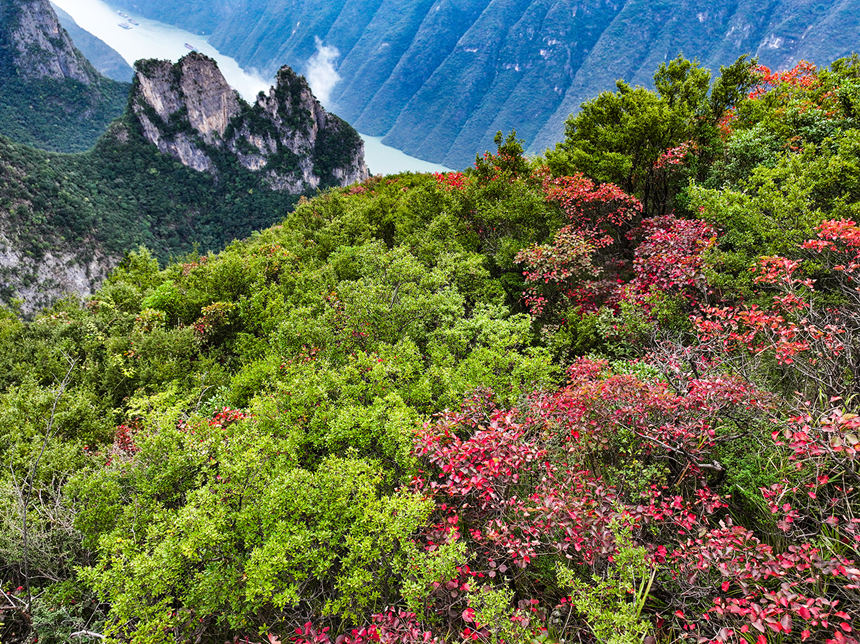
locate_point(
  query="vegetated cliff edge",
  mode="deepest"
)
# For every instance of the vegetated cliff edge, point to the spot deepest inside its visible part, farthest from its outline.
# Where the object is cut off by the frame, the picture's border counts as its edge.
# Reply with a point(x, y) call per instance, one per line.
point(189, 111)
point(438, 78)
point(189, 166)
point(50, 95)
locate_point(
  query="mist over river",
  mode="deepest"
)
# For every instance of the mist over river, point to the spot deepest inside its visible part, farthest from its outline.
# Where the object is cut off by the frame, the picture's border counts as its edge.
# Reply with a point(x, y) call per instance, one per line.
point(153, 39)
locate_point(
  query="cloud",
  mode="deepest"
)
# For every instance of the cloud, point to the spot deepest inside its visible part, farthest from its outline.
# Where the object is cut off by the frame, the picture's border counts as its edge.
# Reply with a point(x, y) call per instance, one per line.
point(321, 73)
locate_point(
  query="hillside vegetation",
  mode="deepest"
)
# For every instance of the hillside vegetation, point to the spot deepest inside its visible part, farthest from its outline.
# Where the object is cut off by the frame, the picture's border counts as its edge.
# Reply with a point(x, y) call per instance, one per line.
point(438, 78)
point(121, 194)
point(51, 97)
point(609, 395)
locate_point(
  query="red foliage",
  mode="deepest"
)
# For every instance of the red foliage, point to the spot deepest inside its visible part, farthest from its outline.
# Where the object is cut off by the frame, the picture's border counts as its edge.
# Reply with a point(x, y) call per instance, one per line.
point(815, 509)
point(123, 441)
point(563, 272)
point(821, 344)
point(599, 212)
point(226, 417)
point(804, 75)
point(390, 627)
point(729, 583)
point(516, 486)
point(676, 156)
point(213, 322)
point(220, 420)
point(450, 181)
point(674, 426)
point(670, 259)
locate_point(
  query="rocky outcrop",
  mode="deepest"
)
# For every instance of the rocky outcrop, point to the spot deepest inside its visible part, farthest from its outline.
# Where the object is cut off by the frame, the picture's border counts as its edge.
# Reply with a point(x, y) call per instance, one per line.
point(38, 46)
point(37, 282)
point(189, 111)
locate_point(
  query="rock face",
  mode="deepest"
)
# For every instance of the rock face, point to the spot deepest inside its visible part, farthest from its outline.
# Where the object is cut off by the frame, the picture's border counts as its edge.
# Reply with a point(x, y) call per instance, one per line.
point(39, 47)
point(189, 111)
point(38, 282)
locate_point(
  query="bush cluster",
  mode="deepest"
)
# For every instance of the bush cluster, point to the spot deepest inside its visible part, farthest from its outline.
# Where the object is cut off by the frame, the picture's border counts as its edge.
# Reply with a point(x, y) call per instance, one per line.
point(605, 396)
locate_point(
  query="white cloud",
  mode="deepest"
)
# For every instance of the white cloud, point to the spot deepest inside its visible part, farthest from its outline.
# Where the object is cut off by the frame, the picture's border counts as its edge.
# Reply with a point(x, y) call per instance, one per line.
point(321, 73)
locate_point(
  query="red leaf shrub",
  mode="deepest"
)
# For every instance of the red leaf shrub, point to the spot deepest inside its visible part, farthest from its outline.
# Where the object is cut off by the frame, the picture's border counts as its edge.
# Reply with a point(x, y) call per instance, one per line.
point(670, 259)
point(563, 272)
point(389, 627)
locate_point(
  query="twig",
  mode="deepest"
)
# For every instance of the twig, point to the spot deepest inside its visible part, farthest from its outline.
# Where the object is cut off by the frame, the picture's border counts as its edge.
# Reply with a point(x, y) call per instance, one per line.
point(10, 598)
point(88, 634)
point(49, 428)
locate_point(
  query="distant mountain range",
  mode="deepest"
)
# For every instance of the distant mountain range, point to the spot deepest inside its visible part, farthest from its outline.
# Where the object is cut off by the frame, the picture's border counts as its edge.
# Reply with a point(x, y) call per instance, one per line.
point(107, 61)
point(437, 78)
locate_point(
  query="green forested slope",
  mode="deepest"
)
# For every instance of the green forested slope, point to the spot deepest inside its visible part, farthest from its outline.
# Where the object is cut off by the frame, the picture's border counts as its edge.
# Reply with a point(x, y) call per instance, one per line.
point(50, 95)
point(121, 194)
point(510, 405)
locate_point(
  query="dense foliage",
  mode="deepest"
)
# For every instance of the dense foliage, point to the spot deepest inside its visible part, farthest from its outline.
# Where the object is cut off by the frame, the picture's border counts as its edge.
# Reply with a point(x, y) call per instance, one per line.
point(59, 113)
point(70, 115)
point(124, 193)
point(609, 396)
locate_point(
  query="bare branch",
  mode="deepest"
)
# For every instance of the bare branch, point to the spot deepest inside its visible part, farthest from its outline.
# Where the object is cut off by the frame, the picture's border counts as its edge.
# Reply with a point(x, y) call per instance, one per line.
point(28, 488)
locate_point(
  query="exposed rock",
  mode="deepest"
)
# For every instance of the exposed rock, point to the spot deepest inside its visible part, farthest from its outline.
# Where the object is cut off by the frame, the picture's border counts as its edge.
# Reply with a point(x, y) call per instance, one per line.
point(37, 282)
point(189, 111)
point(39, 46)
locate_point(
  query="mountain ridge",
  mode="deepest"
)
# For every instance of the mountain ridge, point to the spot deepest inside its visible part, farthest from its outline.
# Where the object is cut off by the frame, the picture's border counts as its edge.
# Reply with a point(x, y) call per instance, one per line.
point(190, 112)
point(472, 68)
point(188, 164)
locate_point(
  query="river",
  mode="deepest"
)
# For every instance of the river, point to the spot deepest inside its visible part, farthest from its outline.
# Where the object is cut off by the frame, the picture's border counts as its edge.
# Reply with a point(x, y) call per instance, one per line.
point(153, 39)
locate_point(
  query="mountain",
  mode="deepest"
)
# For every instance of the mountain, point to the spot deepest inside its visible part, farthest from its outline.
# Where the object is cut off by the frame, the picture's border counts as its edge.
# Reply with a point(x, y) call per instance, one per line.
point(188, 166)
point(50, 95)
point(188, 111)
point(438, 78)
point(107, 61)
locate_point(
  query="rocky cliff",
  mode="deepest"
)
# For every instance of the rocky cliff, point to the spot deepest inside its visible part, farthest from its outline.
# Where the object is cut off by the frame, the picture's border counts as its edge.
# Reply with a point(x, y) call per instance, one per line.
point(189, 167)
point(34, 282)
point(50, 95)
point(189, 112)
point(38, 47)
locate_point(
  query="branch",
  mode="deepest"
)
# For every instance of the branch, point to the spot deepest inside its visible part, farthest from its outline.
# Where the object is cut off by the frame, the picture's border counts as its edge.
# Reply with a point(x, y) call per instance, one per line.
point(88, 634)
point(10, 598)
point(49, 431)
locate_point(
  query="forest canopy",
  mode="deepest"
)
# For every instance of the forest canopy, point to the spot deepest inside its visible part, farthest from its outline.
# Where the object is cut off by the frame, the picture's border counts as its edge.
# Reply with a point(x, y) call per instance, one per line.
point(607, 395)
